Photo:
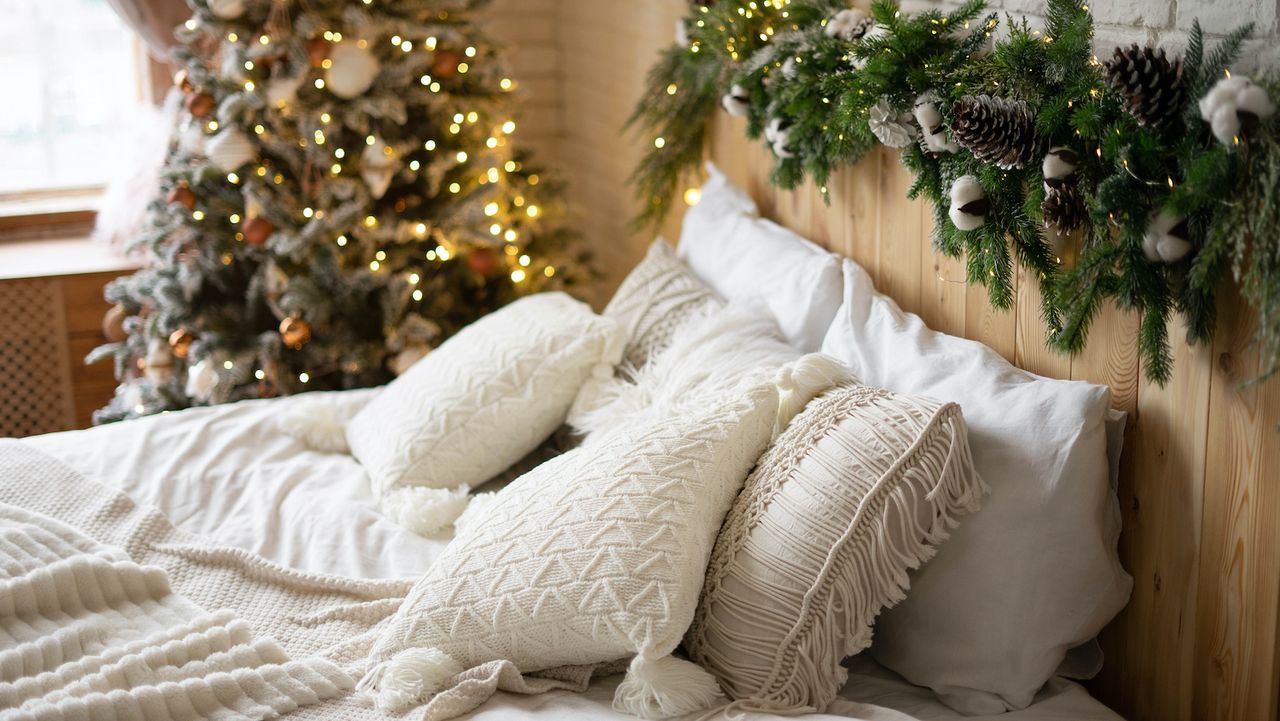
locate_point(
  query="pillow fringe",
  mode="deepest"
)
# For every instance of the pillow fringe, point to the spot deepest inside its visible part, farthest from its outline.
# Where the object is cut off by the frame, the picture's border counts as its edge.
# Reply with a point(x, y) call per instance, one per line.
point(936, 474)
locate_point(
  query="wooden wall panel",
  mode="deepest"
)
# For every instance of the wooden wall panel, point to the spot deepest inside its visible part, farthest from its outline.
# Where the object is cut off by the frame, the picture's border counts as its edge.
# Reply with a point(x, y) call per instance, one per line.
point(1200, 477)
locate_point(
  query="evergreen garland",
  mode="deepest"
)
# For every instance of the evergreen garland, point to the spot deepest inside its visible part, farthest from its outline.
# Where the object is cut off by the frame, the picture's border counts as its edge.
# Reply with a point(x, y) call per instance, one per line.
point(1165, 192)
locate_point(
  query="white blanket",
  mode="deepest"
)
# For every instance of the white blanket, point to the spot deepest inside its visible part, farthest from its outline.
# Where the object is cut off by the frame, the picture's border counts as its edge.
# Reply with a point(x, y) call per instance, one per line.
point(228, 473)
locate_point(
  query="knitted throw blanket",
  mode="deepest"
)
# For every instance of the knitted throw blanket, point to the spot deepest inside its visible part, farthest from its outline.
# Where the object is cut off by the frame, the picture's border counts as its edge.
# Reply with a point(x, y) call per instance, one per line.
point(109, 612)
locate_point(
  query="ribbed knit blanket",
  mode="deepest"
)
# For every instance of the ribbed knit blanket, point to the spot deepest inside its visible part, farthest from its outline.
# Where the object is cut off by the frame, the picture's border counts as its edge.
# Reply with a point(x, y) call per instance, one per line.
point(109, 612)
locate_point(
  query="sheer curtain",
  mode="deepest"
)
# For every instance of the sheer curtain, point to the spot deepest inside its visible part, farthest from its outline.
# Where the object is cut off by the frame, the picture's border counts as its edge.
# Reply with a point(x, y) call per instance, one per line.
point(153, 21)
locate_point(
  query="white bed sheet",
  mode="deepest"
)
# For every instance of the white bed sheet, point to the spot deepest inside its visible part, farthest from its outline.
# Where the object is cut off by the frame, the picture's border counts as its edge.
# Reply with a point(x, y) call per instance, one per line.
point(230, 474)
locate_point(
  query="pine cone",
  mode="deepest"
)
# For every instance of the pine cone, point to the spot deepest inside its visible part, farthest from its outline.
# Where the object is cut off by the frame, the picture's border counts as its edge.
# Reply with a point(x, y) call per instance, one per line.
point(996, 130)
point(1148, 83)
point(1063, 207)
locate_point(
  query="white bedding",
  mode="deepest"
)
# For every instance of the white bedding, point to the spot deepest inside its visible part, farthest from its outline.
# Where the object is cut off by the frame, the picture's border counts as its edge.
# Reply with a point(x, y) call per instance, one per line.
point(230, 474)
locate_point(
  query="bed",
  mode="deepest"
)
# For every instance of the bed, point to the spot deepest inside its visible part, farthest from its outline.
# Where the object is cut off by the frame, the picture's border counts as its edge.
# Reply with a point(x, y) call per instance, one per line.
point(229, 474)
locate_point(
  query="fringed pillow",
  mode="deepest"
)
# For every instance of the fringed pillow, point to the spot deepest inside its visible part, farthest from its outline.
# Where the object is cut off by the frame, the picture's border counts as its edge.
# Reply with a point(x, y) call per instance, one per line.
point(856, 492)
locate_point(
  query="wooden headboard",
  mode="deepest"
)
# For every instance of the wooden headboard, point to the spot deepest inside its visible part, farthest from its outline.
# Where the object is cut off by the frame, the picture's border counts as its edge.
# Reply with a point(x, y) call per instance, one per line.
point(1200, 479)
point(1200, 483)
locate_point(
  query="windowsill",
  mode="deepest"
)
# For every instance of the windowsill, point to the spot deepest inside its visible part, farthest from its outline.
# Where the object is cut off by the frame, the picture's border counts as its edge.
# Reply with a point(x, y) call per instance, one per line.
point(48, 214)
point(59, 256)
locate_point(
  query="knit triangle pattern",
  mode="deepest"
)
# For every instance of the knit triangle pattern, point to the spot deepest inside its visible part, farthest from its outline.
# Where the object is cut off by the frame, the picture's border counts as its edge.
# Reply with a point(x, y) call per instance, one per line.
point(658, 297)
point(486, 397)
point(596, 555)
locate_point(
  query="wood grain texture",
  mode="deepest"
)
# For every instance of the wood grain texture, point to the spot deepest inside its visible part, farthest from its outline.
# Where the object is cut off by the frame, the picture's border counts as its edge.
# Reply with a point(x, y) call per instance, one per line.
point(1200, 476)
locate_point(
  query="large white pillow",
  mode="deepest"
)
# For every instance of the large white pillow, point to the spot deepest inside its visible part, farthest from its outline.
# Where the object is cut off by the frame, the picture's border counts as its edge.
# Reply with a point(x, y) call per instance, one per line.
point(1035, 572)
point(745, 258)
point(486, 397)
point(594, 556)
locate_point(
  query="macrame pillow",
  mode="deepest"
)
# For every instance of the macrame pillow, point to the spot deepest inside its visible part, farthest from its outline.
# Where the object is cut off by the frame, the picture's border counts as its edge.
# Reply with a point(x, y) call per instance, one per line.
point(486, 397)
point(852, 495)
point(657, 297)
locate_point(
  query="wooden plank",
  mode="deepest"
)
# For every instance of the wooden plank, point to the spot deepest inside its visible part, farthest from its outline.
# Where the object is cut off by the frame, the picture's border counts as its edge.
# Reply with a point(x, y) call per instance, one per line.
point(1030, 348)
point(898, 256)
point(942, 282)
point(861, 199)
point(1239, 575)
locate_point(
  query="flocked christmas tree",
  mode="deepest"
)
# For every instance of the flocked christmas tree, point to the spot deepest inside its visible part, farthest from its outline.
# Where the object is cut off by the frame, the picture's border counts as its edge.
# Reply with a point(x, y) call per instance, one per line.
point(340, 195)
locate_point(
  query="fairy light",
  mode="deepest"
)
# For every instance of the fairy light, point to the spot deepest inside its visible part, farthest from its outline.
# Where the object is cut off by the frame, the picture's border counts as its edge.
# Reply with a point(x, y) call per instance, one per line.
point(406, 46)
point(304, 377)
point(435, 87)
point(420, 229)
point(228, 365)
point(463, 68)
point(264, 39)
point(197, 215)
point(492, 175)
point(473, 116)
point(374, 265)
point(319, 136)
point(414, 278)
point(425, 79)
point(339, 153)
point(336, 169)
point(442, 252)
point(259, 374)
point(233, 178)
point(429, 145)
point(395, 39)
point(672, 88)
point(491, 209)
point(370, 221)
point(505, 83)
point(517, 275)
point(319, 83)
point(659, 142)
point(325, 117)
point(509, 127)
point(454, 187)
point(370, 140)
point(249, 86)
point(212, 126)
point(248, 65)
point(431, 43)
point(491, 143)
point(549, 271)
point(414, 165)
point(509, 166)
point(232, 37)
point(470, 51)
point(259, 129)
point(532, 211)
point(431, 255)
point(341, 241)
point(525, 260)
point(510, 236)
point(308, 212)
point(533, 180)
point(495, 230)
point(234, 218)
point(462, 156)
point(692, 196)
point(455, 129)
point(417, 295)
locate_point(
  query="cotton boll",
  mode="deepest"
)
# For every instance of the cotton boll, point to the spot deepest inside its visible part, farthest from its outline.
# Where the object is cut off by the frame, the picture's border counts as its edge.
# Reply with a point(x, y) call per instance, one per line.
point(933, 135)
point(1165, 238)
point(778, 135)
point(202, 379)
point(1253, 99)
point(1060, 162)
point(737, 102)
point(849, 24)
point(1225, 124)
point(1223, 92)
point(682, 34)
point(969, 204)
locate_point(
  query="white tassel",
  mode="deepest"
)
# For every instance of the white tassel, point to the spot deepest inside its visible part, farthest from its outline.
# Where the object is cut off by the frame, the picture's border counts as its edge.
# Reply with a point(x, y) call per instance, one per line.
point(317, 425)
point(425, 511)
point(410, 678)
point(802, 381)
point(665, 687)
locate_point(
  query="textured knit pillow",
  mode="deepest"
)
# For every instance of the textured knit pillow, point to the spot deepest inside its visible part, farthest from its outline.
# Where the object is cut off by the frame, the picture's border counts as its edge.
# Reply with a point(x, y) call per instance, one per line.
point(486, 397)
point(657, 297)
point(852, 495)
point(596, 555)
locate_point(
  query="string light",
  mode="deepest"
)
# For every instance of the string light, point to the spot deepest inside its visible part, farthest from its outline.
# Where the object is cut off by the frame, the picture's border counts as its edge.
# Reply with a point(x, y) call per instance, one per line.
point(417, 295)
point(259, 374)
point(228, 365)
point(532, 211)
point(374, 265)
point(462, 156)
point(341, 241)
point(491, 209)
point(235, 218)
point(420, 230)
point(414, 278)
point(197, 215)
point(517, 275)
point(469, 52)
point(659, 142)
point(233, 178)
point(692, 196)
point(414, 165)
point(505, 83)
point(549, 271)
point(429, 145)
point(305, 377)
point(525, 260)
point(509, 127)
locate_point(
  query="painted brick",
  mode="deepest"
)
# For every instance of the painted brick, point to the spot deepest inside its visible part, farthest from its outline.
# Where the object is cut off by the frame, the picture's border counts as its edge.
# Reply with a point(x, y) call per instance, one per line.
point(1222, 16)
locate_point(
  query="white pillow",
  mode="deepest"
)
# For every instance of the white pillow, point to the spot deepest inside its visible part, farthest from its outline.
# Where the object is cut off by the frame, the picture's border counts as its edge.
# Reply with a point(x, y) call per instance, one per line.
point(594, 556)
point(486, 397)
point(745, 258)
point(1035, 572)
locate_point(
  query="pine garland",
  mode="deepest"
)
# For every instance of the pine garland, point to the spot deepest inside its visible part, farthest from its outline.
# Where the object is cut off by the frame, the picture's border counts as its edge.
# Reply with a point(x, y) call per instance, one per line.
point(1166, 202)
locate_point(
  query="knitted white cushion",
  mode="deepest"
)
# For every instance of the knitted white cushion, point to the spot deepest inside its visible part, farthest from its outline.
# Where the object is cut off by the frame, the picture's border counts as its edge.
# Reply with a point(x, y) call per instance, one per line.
point(854, 493)
point(485, 397)
point(594, 556)
point(657, 297)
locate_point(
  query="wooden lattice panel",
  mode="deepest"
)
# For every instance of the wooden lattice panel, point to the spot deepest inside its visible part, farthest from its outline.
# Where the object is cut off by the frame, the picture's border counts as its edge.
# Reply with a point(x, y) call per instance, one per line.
point(35, 383)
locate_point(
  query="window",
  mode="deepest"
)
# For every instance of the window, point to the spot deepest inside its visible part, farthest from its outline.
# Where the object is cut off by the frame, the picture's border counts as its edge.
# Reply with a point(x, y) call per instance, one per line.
point(72, 91)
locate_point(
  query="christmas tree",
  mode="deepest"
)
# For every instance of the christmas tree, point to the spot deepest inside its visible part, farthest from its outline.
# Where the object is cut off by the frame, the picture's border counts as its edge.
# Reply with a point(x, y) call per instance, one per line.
point(341, 194)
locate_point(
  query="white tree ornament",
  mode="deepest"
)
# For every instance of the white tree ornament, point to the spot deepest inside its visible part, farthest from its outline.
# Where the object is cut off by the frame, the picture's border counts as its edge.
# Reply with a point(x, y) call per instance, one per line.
point(378, 166)
point(282, 90)
point(892, 128)
point(352, 70)
point(969, 203)
point(226, 9)
point(230, 149)
point(202, 379)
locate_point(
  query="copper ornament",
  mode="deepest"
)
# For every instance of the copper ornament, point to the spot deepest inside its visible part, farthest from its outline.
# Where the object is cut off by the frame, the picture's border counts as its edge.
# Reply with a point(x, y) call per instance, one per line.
point(295, 332)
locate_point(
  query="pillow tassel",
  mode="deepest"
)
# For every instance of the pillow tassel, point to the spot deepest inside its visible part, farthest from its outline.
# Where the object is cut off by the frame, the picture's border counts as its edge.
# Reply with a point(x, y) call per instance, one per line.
point(410, 678)
point(805, 379)
point(665, 687)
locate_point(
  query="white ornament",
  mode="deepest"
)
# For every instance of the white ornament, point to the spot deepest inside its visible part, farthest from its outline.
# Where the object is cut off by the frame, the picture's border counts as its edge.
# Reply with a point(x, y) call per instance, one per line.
point(226, 9)
point(932, 132)
point(352, 70)
point(378, 166)
point(968, 203)
point(158, 365)
point(191, 139)
point(737, 102)
point(130, 395)
point(877, 31)
point(282, 90)
point(1163, 240)
point(405, 359)
point(892, 128)
point(848, 25)
point(232, 68)
point(1059, 163)
point(202, 379)
point(230, 149)
point(779, 136)
point(1229, 98)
